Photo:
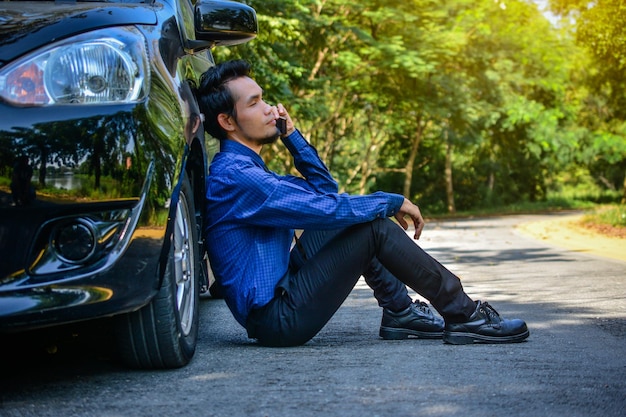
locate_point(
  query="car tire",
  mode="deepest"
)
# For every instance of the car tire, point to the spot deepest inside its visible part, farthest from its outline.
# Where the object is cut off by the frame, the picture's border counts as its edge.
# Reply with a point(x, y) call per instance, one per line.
point(163, 334)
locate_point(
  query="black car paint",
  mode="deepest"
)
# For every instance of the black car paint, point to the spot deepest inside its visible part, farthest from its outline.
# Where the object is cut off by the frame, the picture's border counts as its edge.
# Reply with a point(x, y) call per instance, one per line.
point(146, 146)
point(26, 26)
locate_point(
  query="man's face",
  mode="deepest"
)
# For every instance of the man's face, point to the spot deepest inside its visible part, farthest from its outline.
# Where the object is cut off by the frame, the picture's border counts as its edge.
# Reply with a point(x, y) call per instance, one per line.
point(255, 120)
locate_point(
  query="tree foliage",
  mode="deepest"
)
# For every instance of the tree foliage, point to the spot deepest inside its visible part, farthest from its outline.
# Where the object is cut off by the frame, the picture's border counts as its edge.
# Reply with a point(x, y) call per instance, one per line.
point(456, 104)
point(600, 30)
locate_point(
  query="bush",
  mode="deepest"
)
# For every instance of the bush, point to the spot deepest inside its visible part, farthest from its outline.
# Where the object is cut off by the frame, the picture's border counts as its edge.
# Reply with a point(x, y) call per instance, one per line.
point(614, 216)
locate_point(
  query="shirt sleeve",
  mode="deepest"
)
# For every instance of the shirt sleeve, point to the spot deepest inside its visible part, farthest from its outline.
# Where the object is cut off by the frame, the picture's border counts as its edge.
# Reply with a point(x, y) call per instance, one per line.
point(264, 199)
point(309, 164)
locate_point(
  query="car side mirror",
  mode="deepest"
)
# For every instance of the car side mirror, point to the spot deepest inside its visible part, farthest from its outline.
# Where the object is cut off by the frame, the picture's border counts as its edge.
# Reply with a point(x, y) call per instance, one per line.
point(223, 23)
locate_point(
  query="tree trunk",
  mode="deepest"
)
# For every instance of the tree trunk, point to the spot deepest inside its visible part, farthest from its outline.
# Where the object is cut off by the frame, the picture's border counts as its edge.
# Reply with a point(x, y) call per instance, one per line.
point(368, 167)
point(492, 177)
point(408, 168)
point(624, 191)
point(448, 176)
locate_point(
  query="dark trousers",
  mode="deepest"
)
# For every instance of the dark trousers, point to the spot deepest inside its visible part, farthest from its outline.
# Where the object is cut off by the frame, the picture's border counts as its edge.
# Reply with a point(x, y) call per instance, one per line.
point(390, 292)
point(320, 281)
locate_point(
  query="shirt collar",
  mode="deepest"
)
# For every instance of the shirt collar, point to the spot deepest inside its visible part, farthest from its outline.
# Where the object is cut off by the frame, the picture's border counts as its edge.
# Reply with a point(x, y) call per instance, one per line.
point(228, 145)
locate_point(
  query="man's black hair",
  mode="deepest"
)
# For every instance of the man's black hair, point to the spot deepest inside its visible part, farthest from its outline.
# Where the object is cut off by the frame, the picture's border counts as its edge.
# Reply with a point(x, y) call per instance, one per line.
point(215, 98)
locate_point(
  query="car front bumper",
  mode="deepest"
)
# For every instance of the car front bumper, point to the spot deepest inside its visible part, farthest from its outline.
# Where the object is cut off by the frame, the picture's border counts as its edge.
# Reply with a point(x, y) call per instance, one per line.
point(113, 222)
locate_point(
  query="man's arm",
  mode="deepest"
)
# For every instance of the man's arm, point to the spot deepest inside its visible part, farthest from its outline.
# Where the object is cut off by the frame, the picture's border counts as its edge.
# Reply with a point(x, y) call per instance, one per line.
point(311, 166)
point(306, 158)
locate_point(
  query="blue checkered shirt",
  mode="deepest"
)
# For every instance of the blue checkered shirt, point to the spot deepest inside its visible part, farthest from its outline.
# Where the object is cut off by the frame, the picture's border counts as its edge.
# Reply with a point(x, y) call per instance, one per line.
point(251, 214)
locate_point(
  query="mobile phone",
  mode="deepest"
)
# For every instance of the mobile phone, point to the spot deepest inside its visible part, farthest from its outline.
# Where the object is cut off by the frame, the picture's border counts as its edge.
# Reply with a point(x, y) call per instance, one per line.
point(281, 125)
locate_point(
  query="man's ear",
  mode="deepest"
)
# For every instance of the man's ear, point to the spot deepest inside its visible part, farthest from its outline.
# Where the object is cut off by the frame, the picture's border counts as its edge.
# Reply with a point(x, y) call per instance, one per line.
point(226, 122)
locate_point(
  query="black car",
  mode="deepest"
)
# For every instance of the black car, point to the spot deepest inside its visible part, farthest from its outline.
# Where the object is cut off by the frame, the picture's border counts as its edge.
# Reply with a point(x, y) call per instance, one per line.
point(103, 160)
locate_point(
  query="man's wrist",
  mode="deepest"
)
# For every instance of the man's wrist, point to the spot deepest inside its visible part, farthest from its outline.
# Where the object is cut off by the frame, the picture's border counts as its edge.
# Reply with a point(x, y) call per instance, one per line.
point(294, 141)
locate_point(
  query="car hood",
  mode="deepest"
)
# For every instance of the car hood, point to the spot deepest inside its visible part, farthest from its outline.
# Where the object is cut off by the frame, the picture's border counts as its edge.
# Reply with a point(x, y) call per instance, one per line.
point(25, 26)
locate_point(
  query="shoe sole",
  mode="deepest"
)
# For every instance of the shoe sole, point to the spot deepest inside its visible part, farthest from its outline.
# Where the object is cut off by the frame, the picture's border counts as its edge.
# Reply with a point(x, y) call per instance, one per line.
point(392, 333)
point(464, 338)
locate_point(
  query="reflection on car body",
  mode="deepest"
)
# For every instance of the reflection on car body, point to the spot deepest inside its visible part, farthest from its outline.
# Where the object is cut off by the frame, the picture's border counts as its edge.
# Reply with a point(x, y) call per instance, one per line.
point(101, 93)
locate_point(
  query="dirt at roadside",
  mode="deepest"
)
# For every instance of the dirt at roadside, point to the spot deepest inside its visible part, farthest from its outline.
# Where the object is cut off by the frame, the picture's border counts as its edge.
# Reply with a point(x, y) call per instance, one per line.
point(606, 230)
point(570, 233)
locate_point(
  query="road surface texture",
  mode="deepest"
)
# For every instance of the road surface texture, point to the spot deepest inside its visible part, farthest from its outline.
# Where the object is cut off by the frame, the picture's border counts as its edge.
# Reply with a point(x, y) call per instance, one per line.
point(573, 364)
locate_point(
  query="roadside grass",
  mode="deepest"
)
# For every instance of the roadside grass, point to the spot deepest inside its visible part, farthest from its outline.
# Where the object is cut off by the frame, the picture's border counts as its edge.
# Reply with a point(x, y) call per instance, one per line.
point(610, 215)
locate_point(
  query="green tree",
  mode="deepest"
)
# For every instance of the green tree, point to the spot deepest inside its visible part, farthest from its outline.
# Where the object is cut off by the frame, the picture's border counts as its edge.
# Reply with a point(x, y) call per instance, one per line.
point(600, 29)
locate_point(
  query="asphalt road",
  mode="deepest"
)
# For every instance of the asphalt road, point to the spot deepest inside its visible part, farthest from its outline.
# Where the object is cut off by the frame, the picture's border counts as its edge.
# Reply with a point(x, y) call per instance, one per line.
point(573, 364)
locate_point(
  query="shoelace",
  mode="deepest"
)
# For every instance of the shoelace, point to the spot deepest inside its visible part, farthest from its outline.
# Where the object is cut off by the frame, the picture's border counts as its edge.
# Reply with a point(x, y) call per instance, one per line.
point(422, 306)
point(490, 312)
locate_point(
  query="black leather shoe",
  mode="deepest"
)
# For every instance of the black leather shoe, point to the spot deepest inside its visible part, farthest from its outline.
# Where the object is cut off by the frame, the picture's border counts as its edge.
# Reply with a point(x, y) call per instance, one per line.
point(417, 320)
point(485, 326)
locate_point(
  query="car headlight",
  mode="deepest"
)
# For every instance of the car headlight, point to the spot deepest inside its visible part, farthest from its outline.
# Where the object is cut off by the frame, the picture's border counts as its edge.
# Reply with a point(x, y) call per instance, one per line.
point(99, 67)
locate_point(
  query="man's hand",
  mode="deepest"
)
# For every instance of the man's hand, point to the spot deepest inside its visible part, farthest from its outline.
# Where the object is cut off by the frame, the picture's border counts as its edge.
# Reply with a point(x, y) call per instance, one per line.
point(411, 210)
point(282, 112)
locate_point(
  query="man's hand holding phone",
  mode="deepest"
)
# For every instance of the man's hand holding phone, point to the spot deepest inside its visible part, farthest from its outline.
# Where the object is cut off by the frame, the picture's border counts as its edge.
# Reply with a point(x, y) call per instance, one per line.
point(284, 124)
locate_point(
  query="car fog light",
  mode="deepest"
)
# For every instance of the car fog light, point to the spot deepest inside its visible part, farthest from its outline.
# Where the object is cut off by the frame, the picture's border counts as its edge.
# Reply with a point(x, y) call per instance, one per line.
point(75, 242)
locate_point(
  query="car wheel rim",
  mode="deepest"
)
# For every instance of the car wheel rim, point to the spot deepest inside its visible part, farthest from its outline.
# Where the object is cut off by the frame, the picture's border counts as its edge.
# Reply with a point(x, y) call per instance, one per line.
point(184, 266)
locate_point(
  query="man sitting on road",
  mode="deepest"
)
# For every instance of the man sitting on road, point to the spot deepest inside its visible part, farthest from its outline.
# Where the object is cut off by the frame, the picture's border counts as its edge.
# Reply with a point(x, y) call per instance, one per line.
point(283, 296)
